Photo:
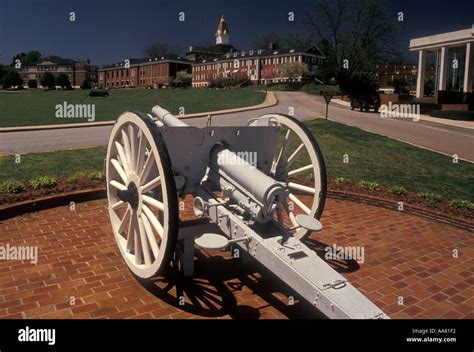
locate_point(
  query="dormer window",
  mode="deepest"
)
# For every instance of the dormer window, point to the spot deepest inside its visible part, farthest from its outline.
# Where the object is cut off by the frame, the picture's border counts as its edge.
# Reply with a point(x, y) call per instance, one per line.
point(242, 53)
point(292, 50)
point(227, 55)
point(275, 52)
point(251, 52)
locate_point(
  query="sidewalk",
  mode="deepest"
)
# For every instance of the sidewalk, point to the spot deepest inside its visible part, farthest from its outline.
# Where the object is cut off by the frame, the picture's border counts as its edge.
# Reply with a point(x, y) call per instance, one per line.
point(455, 123)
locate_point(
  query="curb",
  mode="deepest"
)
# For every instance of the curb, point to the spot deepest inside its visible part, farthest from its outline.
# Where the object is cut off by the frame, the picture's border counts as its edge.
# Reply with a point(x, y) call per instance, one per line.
point(270, 100)
point(18, 209)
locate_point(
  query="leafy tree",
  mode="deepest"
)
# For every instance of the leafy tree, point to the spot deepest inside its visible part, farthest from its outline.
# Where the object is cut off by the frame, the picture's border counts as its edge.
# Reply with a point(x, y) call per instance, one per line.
point(400, 86)
point(28, 58)
point(360, 31)
point(63, 81)
point(183, 79)
point(86, 84)
point(429, 86)
point(48, 81)
point(358, 85)
point(160, 49)
point(12, 79)
point(294, 70)
point(32, 83)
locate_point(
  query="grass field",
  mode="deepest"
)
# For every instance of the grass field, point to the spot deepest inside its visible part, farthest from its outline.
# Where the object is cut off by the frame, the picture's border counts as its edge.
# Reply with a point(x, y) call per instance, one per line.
point(37, 107)
point(371, 158)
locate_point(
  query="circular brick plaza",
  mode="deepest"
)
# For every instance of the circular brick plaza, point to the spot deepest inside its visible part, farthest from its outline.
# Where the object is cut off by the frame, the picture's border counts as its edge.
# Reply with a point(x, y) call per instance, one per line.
point(80, 273)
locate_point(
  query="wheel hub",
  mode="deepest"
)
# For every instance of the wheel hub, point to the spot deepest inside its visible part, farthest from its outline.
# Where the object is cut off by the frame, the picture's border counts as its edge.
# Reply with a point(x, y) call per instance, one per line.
point(130, 196)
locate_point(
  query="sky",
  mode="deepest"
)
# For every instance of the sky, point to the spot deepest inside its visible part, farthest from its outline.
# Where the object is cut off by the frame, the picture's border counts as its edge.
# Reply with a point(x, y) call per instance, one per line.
point(108, 31)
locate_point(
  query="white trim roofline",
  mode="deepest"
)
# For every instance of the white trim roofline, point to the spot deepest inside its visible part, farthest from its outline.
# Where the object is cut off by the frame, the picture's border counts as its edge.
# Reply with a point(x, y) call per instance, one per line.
point(444, 39)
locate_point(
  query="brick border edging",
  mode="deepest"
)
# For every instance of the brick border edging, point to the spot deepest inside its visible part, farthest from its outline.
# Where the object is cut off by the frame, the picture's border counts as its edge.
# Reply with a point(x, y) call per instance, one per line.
point(269, 101)
point(29, 206)
point(407, 208)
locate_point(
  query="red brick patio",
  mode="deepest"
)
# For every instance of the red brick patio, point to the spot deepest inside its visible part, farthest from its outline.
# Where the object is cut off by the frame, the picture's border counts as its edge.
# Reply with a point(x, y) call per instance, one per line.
point(405, 256)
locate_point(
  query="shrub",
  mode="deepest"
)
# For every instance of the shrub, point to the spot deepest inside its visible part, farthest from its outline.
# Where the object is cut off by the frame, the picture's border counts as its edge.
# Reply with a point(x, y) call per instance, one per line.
point(43, 182)
point(370, 185)
point(63, 81)
point(462, 204)
point(454, 115)
point(398, 190)
point(86, 85)
point(431, 197)
point(96, 175)
point(32, 83)
point(48, 81)
point(340, 180)
point(11, 186)
point(99, 93)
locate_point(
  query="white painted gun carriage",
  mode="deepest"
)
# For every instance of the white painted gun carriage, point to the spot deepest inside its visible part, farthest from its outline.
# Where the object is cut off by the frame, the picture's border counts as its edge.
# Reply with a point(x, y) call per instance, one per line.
point(153, 160)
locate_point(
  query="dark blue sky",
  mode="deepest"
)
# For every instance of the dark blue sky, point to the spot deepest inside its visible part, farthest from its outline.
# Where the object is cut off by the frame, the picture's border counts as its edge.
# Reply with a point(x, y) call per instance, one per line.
point(108, 31)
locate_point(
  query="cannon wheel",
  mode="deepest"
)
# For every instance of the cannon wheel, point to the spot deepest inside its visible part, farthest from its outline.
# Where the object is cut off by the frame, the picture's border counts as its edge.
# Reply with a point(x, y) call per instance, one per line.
point(141, 191)
point(296, 143)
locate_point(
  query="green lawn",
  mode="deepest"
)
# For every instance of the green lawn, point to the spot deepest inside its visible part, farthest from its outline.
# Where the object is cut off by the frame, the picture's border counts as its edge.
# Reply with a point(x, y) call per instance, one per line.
point(37, 107)
point(371, 158)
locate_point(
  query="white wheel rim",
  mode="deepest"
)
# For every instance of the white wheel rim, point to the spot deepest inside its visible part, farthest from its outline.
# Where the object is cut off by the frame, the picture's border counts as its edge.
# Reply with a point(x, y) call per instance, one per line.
point(137, 195)
point(283, 163)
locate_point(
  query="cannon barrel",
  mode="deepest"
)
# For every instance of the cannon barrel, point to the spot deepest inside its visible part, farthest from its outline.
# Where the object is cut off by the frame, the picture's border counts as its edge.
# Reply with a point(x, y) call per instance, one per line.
point(167, 118)
point(249, 182)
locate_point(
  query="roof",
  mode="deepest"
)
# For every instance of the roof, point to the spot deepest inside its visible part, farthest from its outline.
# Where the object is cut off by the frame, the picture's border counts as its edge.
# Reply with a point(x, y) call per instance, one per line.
point(263, 53)
point(222, 27)
point(144, 61)
point(53, 61)
point(214, 49)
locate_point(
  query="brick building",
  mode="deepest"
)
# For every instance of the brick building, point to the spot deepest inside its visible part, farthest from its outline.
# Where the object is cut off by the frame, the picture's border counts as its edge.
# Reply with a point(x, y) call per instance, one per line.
point(77, 72)
point(260, 66)
point(388, 73)
point(143, 73)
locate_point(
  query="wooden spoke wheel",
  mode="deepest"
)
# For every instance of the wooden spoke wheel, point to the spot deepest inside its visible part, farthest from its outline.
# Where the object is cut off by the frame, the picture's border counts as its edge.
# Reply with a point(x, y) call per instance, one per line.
point(141, 191)
point(299, 163)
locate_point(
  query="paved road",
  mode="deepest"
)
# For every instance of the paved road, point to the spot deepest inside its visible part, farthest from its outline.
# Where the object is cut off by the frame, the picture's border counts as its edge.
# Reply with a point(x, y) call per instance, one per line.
point(442, 138)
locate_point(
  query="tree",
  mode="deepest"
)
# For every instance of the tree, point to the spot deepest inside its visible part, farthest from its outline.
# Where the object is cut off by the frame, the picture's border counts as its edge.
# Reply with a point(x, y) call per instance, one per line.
point(63, 81)
point(353, 34)
point(294, 70)
point(28, 58)
point(160, 49)
point(48, 81)
point(290, 41)
point(359, 85)
point(12, 79)
point(32, 83)
point(86, 84)
point(183, 79)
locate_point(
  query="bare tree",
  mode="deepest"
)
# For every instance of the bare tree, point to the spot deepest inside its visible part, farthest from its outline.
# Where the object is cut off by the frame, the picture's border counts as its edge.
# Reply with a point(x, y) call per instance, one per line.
point(363, 32)
point(160, 49)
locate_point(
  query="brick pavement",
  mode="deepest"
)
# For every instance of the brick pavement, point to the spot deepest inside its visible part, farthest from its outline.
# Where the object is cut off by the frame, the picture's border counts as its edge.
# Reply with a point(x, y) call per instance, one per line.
point(80, 273)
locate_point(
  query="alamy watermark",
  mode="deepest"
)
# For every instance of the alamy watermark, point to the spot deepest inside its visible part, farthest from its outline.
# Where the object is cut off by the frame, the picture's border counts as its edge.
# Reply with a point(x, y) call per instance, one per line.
point(237, 158)
point(400, 111)
point(79, 111)
point(19, 253)
point(335, 252)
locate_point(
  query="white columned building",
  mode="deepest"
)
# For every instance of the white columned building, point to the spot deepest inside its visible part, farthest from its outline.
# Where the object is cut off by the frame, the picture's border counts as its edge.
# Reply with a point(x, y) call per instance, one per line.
point(454, 60)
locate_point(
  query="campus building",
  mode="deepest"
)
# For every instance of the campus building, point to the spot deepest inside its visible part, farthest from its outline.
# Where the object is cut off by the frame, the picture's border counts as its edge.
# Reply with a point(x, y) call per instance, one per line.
point(387, 74)
point(77, 72)
point(143, 73)
point(261, 66)
point(454, 61)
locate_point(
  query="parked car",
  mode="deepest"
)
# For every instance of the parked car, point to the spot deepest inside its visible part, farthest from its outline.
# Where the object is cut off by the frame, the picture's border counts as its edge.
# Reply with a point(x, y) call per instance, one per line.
point(366, 103)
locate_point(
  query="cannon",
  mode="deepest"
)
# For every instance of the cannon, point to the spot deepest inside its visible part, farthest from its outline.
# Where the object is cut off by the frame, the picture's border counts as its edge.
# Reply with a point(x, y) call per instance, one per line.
point(250, 187)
